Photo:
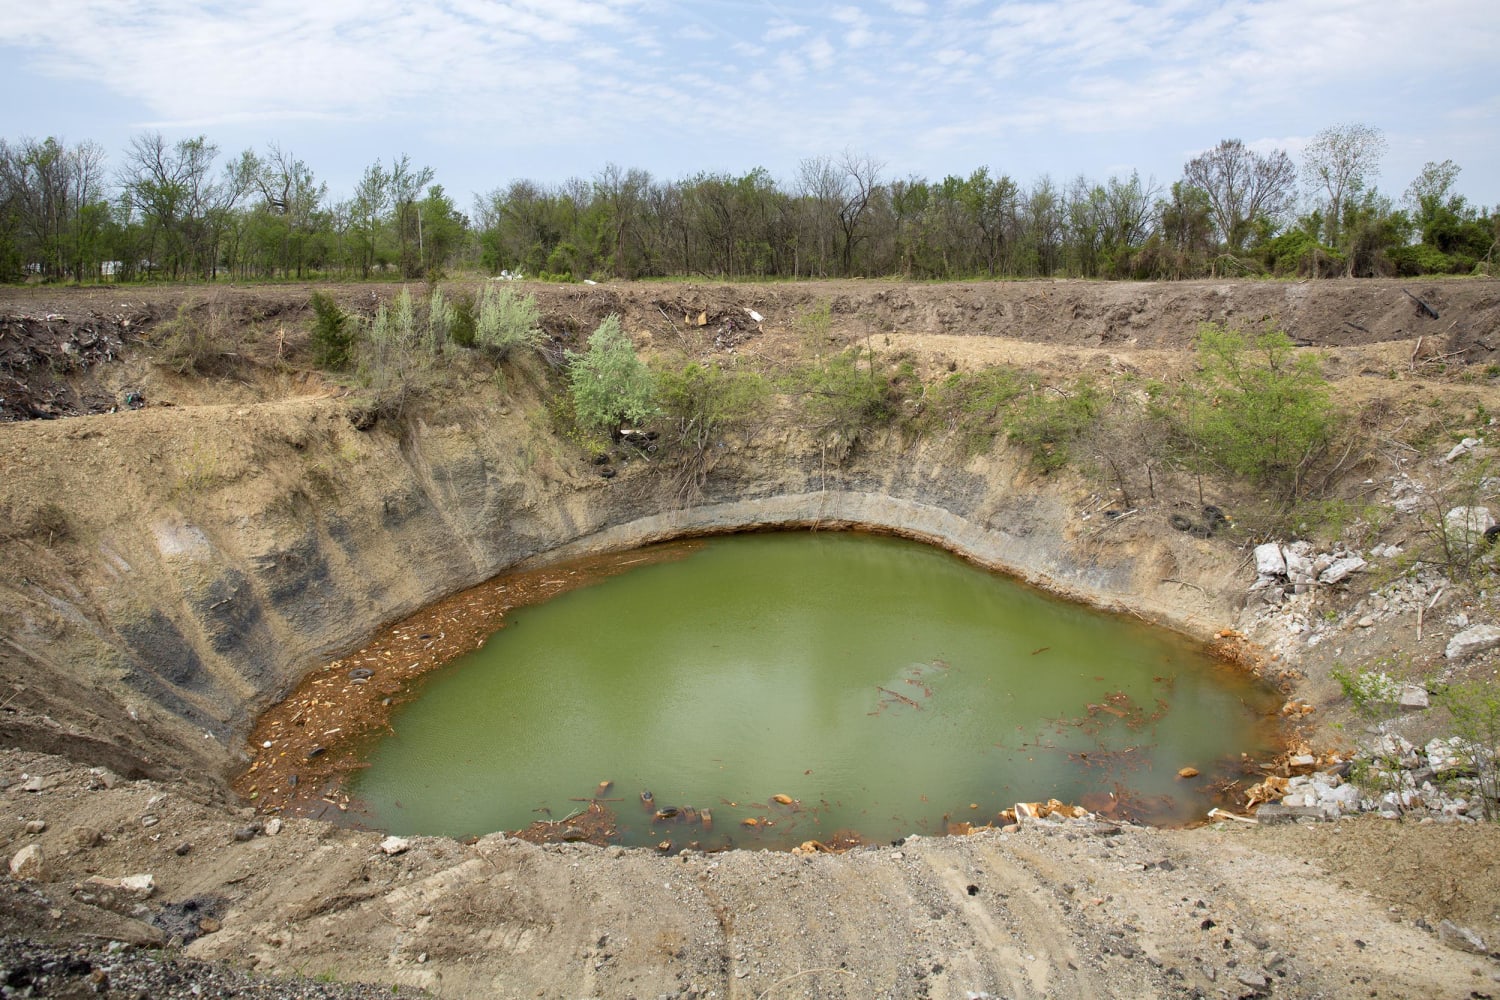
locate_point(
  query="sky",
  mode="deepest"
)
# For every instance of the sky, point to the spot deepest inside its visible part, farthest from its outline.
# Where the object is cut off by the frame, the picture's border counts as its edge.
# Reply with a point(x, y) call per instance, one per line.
point(490, 92)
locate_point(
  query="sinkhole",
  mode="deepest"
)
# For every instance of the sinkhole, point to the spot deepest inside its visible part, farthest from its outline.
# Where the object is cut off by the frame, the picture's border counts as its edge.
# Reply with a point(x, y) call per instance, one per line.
point(767, 690)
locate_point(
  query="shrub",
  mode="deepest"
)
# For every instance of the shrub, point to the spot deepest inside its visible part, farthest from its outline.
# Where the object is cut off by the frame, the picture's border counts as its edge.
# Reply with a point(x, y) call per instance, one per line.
point(439, 320)
point(1049, 421)
point(1258, 409)
point(842, 399)
point(705, 401)
point(970, 404)
point(506, 321)
point(1475, 708)
point(198, 340)
point(464, 329)
point(814, 326)
point(395, 355)
point(609, 383)
point(332, 333)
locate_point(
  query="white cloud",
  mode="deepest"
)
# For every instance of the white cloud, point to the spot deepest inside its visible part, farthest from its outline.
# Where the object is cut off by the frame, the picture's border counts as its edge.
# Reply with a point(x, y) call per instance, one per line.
point(910, 80)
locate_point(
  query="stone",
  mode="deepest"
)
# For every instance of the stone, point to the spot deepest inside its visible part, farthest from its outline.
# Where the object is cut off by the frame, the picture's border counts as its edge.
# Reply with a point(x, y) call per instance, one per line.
point(35, 783)
point(1254, 980)
point(133, 886)
point(1299, 568)
point(1412, 696)
point(1340, 569)
point(1467, 525)
point(392, 846)
point(1274, 813)
point(1475, 639)
point(1269, 561)
point(1463, 448)
point(1461, 938)
point(36, 826)
point(28, 862)
point(273, 826)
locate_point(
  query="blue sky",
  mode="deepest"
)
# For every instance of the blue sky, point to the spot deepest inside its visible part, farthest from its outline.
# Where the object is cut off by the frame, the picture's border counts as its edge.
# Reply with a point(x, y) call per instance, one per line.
point(489, 92)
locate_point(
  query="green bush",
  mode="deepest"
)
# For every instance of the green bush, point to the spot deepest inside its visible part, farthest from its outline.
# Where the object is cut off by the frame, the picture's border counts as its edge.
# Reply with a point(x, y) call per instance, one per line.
point(970, 404)
point(843, 398)
point(439, 320)
point(464, 329)
point(609, 383)
point(507, 321)
point(1475, 708)
point(1258, 409)
point(333, 335)
point(396, 355)
point(1049, 421)
point(705, 401)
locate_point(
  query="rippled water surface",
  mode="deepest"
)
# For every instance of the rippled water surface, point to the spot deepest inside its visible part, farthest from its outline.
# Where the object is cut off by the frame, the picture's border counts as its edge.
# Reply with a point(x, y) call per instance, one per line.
point(885, 687)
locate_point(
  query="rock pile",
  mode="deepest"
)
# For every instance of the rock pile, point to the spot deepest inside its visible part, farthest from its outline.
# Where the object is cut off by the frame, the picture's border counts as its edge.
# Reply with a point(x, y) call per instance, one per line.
point(1296, 568)
point(1439, 782)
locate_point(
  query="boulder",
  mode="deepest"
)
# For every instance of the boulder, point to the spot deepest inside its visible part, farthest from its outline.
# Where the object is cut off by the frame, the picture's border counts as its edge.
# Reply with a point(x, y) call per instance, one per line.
point(1474, 639)
point(1412, 697)
point(1273, 813)
point(1463, 448)
point(28, 862)
point(1340, 569)
point(1467, 525)
point(1269, 561)
point(392, 846)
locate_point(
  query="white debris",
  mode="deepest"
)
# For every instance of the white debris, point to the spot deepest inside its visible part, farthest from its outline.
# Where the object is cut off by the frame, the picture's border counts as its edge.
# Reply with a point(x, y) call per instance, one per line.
point(1467, 525)
point(392, 846)
point(1269, 561)
point(1463, 448)
point(1339, 569)
point(755, 315)
point(1475, 639)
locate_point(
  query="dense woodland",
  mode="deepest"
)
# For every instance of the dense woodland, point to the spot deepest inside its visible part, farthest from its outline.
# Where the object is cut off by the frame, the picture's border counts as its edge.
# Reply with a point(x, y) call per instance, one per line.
point(181, 211)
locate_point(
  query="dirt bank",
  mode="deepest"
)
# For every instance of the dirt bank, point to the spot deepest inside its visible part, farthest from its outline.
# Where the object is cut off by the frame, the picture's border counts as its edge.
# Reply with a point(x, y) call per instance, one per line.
point(172, 570)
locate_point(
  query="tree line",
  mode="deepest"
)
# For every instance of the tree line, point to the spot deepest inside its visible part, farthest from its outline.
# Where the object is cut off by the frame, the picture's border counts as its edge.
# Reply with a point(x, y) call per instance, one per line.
point(180, 211)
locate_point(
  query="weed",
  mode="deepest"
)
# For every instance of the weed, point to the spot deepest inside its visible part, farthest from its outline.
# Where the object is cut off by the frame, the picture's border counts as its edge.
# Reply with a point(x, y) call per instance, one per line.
point(197, 340)
point(814, 326)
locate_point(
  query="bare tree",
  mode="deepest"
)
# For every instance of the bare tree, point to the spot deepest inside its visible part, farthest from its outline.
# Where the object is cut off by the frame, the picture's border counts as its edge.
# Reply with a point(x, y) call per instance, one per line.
point(862, 173)
point(1338, 161)
point(1242, 186)
point(824, 187)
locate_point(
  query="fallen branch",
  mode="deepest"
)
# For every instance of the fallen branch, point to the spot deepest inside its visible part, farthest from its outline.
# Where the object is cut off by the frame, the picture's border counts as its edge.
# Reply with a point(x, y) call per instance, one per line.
point(899, 697)
point(1224, 814)
point(1426, 309)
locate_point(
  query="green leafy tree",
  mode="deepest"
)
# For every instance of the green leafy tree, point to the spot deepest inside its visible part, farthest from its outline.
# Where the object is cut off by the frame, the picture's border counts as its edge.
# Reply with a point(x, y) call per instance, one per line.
point(609, 383)
point(1258, 409)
